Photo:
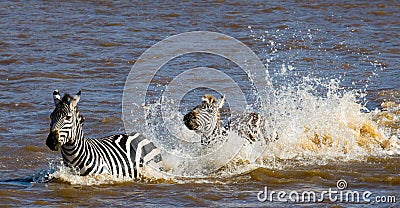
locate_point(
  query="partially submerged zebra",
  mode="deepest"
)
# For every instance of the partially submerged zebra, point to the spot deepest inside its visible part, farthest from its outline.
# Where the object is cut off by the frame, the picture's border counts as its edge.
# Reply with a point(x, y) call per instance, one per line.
point(119, 155)
point(205, 119)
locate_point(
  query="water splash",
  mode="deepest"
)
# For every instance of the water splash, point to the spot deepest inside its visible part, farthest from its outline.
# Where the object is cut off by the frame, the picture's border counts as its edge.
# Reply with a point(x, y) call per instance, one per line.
point(61, 173)
point(313, 128)
point(321, 129)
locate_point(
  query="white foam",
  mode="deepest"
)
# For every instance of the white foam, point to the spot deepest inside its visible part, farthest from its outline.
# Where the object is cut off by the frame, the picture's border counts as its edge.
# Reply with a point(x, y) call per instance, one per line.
point(312, 129)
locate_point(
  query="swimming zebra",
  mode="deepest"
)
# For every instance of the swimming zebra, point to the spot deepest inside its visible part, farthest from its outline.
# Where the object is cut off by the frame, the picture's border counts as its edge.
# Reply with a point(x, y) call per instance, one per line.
point(119, 155)
point(205, 120)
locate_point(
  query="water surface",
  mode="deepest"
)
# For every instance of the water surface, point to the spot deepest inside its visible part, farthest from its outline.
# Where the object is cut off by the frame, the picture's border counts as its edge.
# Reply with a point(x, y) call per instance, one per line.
point(327, 130)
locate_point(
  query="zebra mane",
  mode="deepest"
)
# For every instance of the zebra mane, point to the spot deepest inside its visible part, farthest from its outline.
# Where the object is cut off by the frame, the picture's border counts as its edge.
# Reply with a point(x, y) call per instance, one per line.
point(209, 99)
point(66, 98)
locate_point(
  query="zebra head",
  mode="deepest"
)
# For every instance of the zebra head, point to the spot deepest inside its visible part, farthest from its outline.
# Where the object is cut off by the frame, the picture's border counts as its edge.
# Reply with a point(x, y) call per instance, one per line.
point(205, 118)
point(66, 123)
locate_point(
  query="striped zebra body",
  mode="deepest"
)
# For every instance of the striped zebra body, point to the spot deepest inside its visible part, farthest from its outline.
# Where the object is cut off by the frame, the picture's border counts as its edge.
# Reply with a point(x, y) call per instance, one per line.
point(118, 155)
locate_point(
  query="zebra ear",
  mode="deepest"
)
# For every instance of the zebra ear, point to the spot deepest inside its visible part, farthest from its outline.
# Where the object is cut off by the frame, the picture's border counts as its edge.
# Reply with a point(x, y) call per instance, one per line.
point(74, 101)
point(56, 97)
point(221, 102)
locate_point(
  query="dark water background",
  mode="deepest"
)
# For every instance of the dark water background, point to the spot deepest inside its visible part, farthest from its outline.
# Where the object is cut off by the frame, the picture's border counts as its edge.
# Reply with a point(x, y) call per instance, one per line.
point(92, 45)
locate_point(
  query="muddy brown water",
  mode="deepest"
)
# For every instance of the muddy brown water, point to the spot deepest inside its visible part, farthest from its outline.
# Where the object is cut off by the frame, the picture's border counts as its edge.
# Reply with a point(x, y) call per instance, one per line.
point(92, 45)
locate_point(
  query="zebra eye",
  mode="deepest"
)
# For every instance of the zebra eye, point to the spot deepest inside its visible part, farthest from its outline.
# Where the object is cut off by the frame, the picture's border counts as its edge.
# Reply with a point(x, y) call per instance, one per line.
point(68, 117)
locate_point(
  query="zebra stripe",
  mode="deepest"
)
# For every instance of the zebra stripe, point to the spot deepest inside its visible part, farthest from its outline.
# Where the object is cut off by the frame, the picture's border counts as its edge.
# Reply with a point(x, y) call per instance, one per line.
point(205, 119)
point(121, 160)
point(118, 155)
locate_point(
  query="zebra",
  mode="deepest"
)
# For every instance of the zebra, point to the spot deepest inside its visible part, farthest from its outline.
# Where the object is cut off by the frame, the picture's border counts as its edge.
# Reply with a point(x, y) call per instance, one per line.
point(205, 120)
point(120, 155)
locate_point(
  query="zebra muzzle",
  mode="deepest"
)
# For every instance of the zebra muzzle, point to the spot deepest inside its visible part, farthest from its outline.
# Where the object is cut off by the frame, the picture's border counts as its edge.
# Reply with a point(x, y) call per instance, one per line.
point(52, 141)
point(190, 121)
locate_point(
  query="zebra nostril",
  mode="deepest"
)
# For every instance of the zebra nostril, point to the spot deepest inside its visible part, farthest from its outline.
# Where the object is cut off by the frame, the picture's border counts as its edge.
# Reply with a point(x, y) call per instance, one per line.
point(55, 133)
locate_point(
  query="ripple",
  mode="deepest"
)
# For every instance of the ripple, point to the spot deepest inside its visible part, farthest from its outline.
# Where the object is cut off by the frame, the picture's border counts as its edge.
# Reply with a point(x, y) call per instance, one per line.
point(111, 119)
point(12, 106)
point(8, 61)
point(381, 13)
point(31, 148)
point(109, 44)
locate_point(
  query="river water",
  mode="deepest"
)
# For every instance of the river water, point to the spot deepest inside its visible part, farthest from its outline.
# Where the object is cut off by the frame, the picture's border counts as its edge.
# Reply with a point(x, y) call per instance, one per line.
point(334, 103)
